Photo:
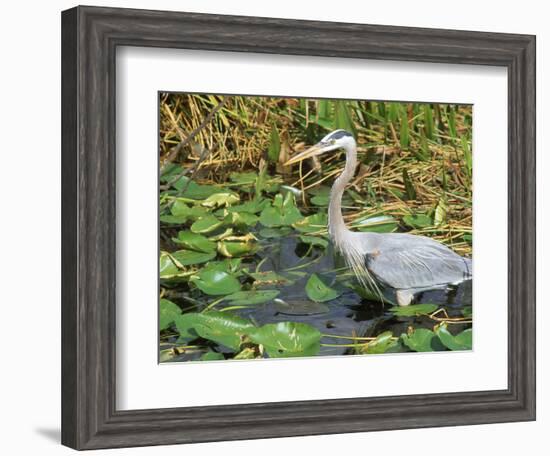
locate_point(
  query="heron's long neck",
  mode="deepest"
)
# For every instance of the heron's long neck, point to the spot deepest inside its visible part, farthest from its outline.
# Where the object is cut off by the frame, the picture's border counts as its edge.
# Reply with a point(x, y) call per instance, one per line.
point(337, 226)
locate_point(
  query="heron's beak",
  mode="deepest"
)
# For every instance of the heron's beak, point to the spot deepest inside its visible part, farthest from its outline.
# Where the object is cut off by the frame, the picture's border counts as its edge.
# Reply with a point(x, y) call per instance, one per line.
point(317, 149)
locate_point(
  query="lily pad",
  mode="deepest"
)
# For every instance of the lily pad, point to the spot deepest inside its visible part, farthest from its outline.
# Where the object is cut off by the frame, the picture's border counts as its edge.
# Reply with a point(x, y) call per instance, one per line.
point(168, 311)
point(270, 233)
point(317, 291)
point(268, 277)
point(313, 223)
point(287, 339)
point(213, 282)
point(418, 220)
point(462, 341)
point(282, 212)
point(251, 297)
point(413, 310)
point(315, 241)
point(193, 190)
point(381, 344)
point(168, 267)
point(422, 340)
point(237, 249)
point(378, 224)
point(195, 241)
point(206, 224)
point(219, 327)
point(221, 200)
point(252, 207)
point(188, 257)
point(212, 356)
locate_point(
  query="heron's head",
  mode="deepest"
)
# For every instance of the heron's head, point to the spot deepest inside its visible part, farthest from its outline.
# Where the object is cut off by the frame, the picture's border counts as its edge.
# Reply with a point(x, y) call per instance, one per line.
point(338, 139)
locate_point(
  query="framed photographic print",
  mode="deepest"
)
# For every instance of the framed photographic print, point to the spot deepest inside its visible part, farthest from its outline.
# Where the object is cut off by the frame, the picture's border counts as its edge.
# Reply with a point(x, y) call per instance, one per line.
point(308, 227)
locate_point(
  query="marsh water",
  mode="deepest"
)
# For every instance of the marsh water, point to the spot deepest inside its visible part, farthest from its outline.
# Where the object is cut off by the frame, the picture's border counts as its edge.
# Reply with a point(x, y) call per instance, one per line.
point(349, 314)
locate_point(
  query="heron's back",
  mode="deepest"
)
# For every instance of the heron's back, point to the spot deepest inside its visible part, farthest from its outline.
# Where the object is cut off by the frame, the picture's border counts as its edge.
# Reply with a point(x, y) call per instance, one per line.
point(405, 261)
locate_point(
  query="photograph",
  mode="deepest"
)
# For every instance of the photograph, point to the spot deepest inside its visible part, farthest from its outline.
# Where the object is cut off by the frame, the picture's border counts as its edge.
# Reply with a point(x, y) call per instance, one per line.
point(300, 227)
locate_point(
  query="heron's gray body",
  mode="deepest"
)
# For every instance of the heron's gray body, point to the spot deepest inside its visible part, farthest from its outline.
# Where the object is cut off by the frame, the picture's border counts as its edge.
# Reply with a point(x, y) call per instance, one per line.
point(404, 262)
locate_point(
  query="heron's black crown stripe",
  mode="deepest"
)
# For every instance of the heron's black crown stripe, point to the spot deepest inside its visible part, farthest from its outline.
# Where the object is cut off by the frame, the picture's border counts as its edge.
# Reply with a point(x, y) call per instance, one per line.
point(340, 134)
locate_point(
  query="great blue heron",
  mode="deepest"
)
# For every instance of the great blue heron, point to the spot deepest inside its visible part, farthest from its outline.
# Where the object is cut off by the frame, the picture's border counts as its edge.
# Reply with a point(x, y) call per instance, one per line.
point(404, 262)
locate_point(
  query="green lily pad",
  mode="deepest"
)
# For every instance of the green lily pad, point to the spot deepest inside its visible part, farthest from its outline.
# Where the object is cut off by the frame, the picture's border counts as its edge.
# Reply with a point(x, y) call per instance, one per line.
point(221, 200)
point(188, 257)
point(422, 340)
point(232, 249)
point(168, 267)
point(251, 297)
point(219, 327)
point(315, 241)
point(252, 207)
point(462, 341)
point(195, 241)
point(313, 223)
point(287, 339)
point(283, 212)
point(241, 220)
point(246, 178)
point(271, 233)
point(317, 291)
point(413, 310)
point(216, 283)
point(193, 190)
point(212, 356)
point(206, 224)
point(381, 344)
point(418, 220)
point(378, 224)
point(180, 209)
point(268, 277)
point(168, 311)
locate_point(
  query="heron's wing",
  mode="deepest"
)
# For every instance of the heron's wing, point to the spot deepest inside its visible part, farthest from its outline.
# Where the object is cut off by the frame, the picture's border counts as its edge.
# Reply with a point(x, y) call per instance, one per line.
point(416, 262)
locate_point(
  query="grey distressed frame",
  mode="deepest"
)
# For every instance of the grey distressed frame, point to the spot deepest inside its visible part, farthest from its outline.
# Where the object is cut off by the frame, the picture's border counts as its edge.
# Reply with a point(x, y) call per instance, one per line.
point(90, 36)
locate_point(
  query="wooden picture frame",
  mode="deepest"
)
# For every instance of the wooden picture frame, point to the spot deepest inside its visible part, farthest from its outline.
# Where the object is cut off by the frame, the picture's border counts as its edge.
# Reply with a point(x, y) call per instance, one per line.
point(90, 36)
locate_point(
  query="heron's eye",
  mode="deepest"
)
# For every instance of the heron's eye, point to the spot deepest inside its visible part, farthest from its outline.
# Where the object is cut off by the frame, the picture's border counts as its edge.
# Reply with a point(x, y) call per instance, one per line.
point(332, 141)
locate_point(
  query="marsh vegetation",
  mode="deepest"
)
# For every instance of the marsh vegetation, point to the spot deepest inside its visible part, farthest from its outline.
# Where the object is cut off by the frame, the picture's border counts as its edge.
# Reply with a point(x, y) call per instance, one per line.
point(246, 267)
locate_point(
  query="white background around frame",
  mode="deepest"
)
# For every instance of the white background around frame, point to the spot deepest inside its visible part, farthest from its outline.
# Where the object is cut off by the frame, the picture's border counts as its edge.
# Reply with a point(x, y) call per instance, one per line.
point(142, 72)
point(30, 199)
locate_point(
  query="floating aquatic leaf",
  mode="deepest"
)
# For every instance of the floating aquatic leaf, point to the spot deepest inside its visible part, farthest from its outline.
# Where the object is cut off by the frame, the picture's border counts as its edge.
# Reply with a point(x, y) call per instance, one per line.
point(317, 291)
point(282, 212)
point(241, 220)
point(188, 257)
point(312, 224)
point(168, 311)
point(251, 297)
point(378, 224)
point(194, 241)
point(252, 207)
point(212, 356)
point(219, 327)
point(417, 220)
point(422, 340)
point(246, 353)
point(194, 190)
point(413, 310)
point(174, 219)
point(314, 241)
point(213, 282)
point(462, 341)
point(269, 233)
point(224, 199)
point(237, 249)
point(268, 277)
point(206, 224)
point(168, 267)
point(287, 339)
point(381, 344)
point(229, 265)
